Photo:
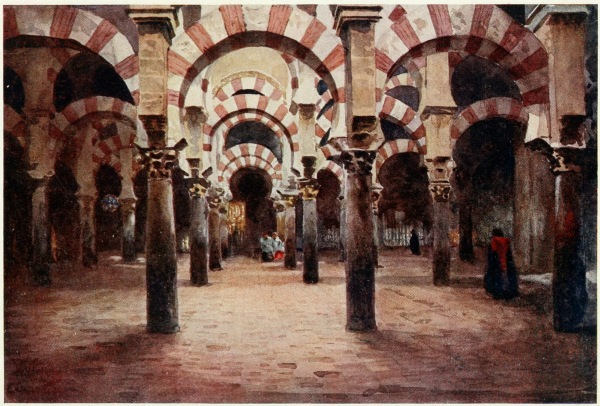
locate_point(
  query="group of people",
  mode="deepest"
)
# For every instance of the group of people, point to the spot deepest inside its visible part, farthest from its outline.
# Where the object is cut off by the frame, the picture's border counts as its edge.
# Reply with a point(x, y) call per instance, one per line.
point(271, 247)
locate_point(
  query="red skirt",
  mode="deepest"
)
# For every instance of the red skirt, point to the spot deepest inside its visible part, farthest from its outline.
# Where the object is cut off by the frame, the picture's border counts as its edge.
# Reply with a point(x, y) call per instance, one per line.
point(278, 255)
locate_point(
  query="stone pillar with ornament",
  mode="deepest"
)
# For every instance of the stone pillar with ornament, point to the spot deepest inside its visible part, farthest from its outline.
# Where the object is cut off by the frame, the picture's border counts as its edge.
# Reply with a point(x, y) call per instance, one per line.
point(161, 253)
point(309, 189)
point(355, 25)
point(197, 187)
point(215, 200)
point(440, 170)
point(127, 201)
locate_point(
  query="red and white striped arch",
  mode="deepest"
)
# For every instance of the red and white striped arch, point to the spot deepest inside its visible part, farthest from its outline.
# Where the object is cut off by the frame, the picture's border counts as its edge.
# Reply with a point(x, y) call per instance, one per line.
point(274, 125)
point(14, 123)
point(391, 148)
point(259, 84)
point(211, 37)
point(91, 31)
point(274, 171)
point(95, 104)
point(483, 30)
point(244, 107)
point(292, 64)
point(248, 149)
point(105, 150)
point(400, 114)
point(333, 167)
point(496, 107)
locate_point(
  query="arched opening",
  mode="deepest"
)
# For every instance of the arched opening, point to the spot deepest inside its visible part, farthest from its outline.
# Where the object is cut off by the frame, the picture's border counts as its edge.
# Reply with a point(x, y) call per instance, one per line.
point(328, 209)
point(251, 132)
point(405, 201)
point(63, 213)
point(108, 218)
point(477, 79)
point(17, 208)
point(87, 75)
point(252, 187)
point(483, 181)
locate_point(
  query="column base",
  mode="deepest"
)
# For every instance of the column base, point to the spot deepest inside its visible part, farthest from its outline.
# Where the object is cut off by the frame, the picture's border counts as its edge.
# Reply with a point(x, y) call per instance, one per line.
point(162, 329)
point(361, 325)
point(41, 275)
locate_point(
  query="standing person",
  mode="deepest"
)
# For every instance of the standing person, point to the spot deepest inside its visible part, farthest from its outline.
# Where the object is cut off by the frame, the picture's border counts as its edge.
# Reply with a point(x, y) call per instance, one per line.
point(501, 274)
point(278, 247)
point(266, 247)
point(414, 243)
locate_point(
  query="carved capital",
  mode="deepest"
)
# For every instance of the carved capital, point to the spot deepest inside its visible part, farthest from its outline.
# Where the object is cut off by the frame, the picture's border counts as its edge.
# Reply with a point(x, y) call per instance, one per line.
point(358, 161)
point(440, 191)
point(440, 169)
point(214, 196)
point(127, 205)
point(159, 162)
point(156, 127)
point(197, 187)
point(309, 189)
point(289, 199)
point(567, 160)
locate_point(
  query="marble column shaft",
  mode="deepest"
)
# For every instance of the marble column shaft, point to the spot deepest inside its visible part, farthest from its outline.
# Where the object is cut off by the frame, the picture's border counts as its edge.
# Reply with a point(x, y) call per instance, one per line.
point(214, 238)
point(199, 240)
point(568, 282)
point(41, 254)
point(161, 258)
point(289, 260)
point(89, 255)
point(441, 238)
point(128, 237)
point(360, 263)
point(343, 221)
point(309, 238)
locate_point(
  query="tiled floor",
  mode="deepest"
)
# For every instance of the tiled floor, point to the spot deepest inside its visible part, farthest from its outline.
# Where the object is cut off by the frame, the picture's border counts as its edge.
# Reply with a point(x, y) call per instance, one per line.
point(258, 334)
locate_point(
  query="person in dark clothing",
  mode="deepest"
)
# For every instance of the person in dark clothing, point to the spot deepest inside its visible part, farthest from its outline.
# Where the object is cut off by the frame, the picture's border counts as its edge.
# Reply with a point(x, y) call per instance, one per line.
point(266, 247)
point(500, 278)
point(414, 243)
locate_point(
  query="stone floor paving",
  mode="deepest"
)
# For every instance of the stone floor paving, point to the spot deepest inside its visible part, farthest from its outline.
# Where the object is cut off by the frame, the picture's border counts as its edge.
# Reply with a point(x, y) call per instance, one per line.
point(257, 334)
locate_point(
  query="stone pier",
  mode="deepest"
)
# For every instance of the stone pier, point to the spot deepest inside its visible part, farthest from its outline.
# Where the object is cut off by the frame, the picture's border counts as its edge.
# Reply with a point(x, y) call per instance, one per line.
point(197, 187)
point(309, 188)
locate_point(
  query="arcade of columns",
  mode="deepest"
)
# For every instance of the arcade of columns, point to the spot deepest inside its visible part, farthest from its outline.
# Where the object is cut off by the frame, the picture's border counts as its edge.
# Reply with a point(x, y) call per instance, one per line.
point(367, 51)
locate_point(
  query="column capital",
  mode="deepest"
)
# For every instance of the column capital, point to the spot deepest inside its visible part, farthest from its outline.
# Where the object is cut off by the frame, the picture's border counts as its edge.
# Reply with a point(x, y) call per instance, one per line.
point(156, 128)
point(306, 110)
point(440, 168)
point(358, 161)
point(309, 189)
point(347, 14)
point(159, 162)
point(567, 160)
point(308, 162)
point(154, 19)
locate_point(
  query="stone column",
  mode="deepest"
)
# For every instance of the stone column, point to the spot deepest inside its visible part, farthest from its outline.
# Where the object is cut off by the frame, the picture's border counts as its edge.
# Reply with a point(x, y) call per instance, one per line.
point(87, 201)
point(224, 230)
point(289, 197)
point(41, 255)
point(127, 200)
point(377, 228)
point(161, 253)
point(464, 192)
point(198, 225)
point(309, 188)
point(568, 282)
point(360, 241)
point(343, 221)
point(214, 229)
point(439, 185)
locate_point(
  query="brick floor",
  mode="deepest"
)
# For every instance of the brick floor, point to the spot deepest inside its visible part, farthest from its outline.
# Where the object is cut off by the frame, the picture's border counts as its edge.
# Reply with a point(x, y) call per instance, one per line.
point(258, 334)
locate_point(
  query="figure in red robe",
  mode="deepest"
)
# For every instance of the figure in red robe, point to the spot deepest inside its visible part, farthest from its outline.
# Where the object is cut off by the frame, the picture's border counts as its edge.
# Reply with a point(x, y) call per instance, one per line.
point(501, 274)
